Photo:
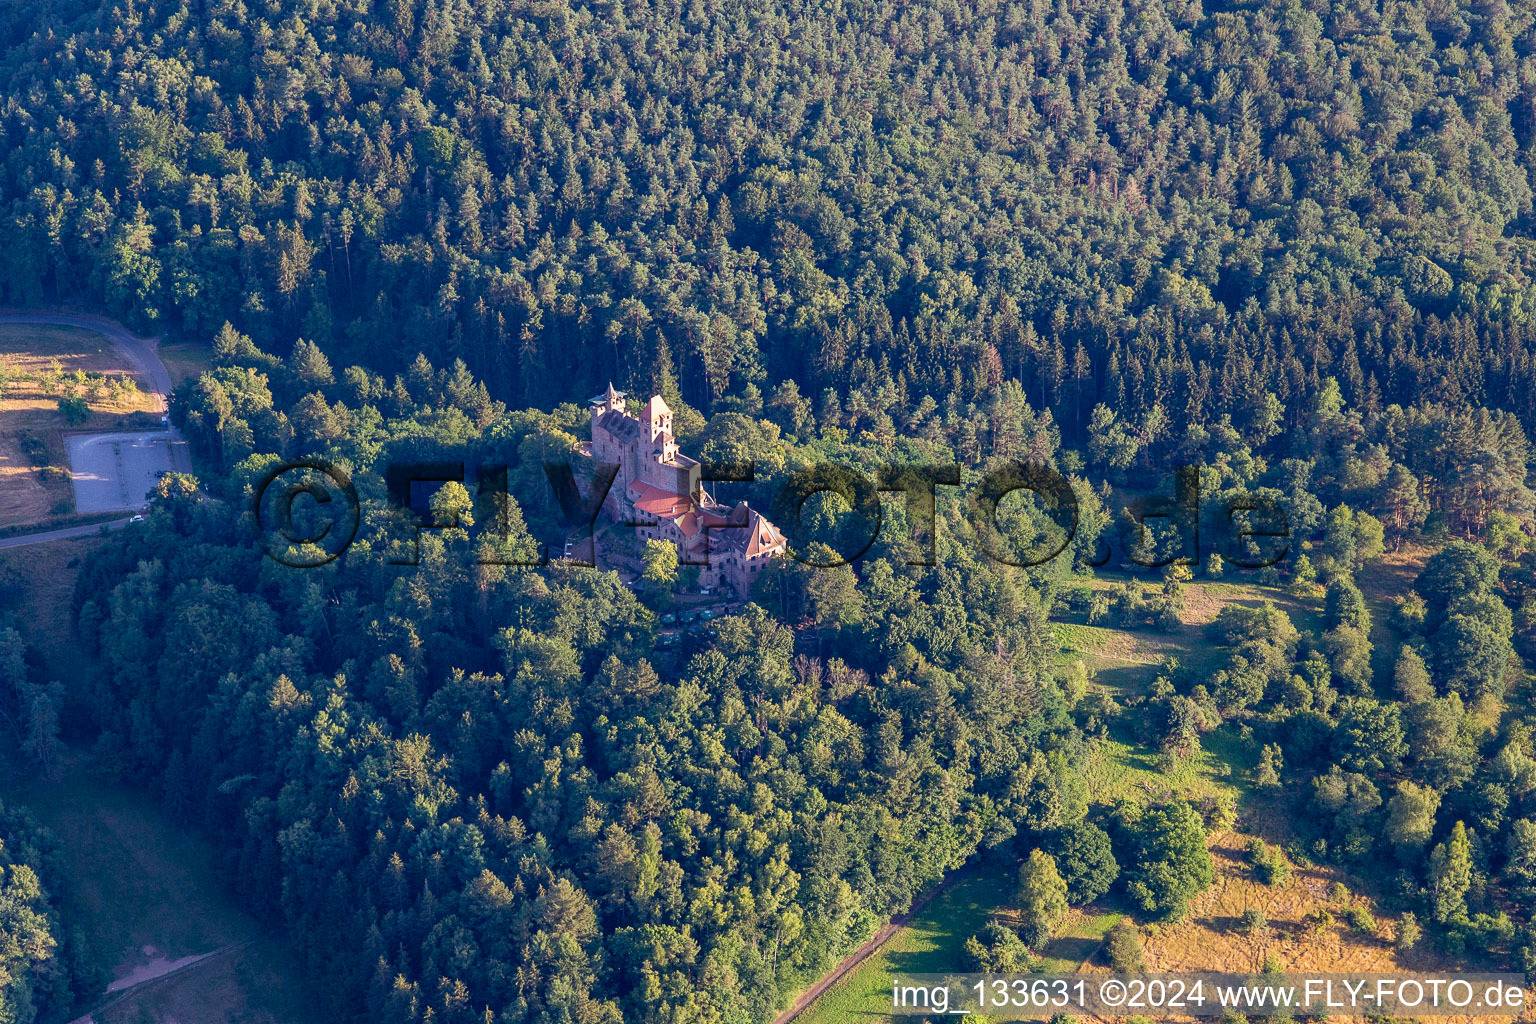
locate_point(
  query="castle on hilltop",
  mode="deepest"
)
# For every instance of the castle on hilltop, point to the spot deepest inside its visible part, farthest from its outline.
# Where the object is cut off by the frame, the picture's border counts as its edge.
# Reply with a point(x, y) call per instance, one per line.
point(659, 486)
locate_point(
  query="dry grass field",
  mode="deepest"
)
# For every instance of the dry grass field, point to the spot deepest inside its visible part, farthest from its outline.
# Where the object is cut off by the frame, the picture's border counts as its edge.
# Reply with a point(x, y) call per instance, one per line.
point(24, 496)
point(1210, 938)
point(41, 608)
point(42, 363)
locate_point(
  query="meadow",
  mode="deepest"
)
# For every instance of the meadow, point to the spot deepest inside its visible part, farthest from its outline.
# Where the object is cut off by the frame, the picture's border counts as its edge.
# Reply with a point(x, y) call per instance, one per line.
point(1124, 662)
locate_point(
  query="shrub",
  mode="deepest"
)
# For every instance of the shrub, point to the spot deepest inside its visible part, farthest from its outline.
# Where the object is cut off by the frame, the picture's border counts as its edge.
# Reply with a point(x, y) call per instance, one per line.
point(1408, 613)
point(1077, 598)
point(1123, 947)
point(74, 409)
point(34, 448)
point(1086, 861)
point(1489, 933)
point(1360, 919)
point(1269, 864)
point(1298, 854)
point(1167, 863)
point(1042, 899)
point(1098, 609)
point(1219, 812)
point(1271, 760)
point(998, 950)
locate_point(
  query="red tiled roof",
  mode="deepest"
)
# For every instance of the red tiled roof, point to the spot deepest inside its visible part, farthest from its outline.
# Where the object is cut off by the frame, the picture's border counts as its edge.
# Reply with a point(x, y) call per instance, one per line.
point(741, 530)
point(657, 502)
point(765, 537)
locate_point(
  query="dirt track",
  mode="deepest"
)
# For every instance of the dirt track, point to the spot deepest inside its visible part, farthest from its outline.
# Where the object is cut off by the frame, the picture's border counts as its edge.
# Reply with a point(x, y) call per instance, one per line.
point(65, 534)
point(858, 956)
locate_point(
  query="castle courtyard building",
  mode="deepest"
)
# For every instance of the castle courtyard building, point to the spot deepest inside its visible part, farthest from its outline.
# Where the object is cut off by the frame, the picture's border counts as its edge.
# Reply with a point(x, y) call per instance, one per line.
point(660, 488)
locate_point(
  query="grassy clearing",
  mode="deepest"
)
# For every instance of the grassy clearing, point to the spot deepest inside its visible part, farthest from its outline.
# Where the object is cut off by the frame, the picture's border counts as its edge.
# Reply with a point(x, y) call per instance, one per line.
point(1079, 940)
point(137, 880)
point(1125, 661)
point(251, 986)
point(40, 607)
point(933, 942)
point(1205, 598)
point(1388, 577)
point(44, 363)
point(185, 360)
point(140, 889)
point(1116, 770)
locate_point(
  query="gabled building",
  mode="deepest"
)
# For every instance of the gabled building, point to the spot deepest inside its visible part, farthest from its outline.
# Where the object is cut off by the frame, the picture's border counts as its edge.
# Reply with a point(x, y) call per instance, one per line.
point(659, 487)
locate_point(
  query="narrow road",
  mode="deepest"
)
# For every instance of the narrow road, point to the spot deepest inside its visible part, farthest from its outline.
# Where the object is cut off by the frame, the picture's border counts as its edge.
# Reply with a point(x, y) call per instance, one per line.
point(118, 995)
point(864, 952)
point(65, 534)
point(141, 354)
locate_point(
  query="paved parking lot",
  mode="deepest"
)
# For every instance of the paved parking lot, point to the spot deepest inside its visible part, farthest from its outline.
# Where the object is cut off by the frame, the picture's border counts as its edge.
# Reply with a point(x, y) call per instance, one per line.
point(116, 471)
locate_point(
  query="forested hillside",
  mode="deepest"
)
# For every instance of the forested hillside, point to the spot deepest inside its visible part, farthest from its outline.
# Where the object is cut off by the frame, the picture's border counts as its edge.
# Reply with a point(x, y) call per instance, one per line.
point(467, 786)
point(40, 960)
point(1151, 204)
point(472, 788)
point(1286, 242)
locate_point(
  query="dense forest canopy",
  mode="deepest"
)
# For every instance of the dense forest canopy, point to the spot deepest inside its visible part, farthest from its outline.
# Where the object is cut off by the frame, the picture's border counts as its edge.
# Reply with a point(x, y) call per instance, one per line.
point(1154, 205)
point(40, 959)
point(1285, 242)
